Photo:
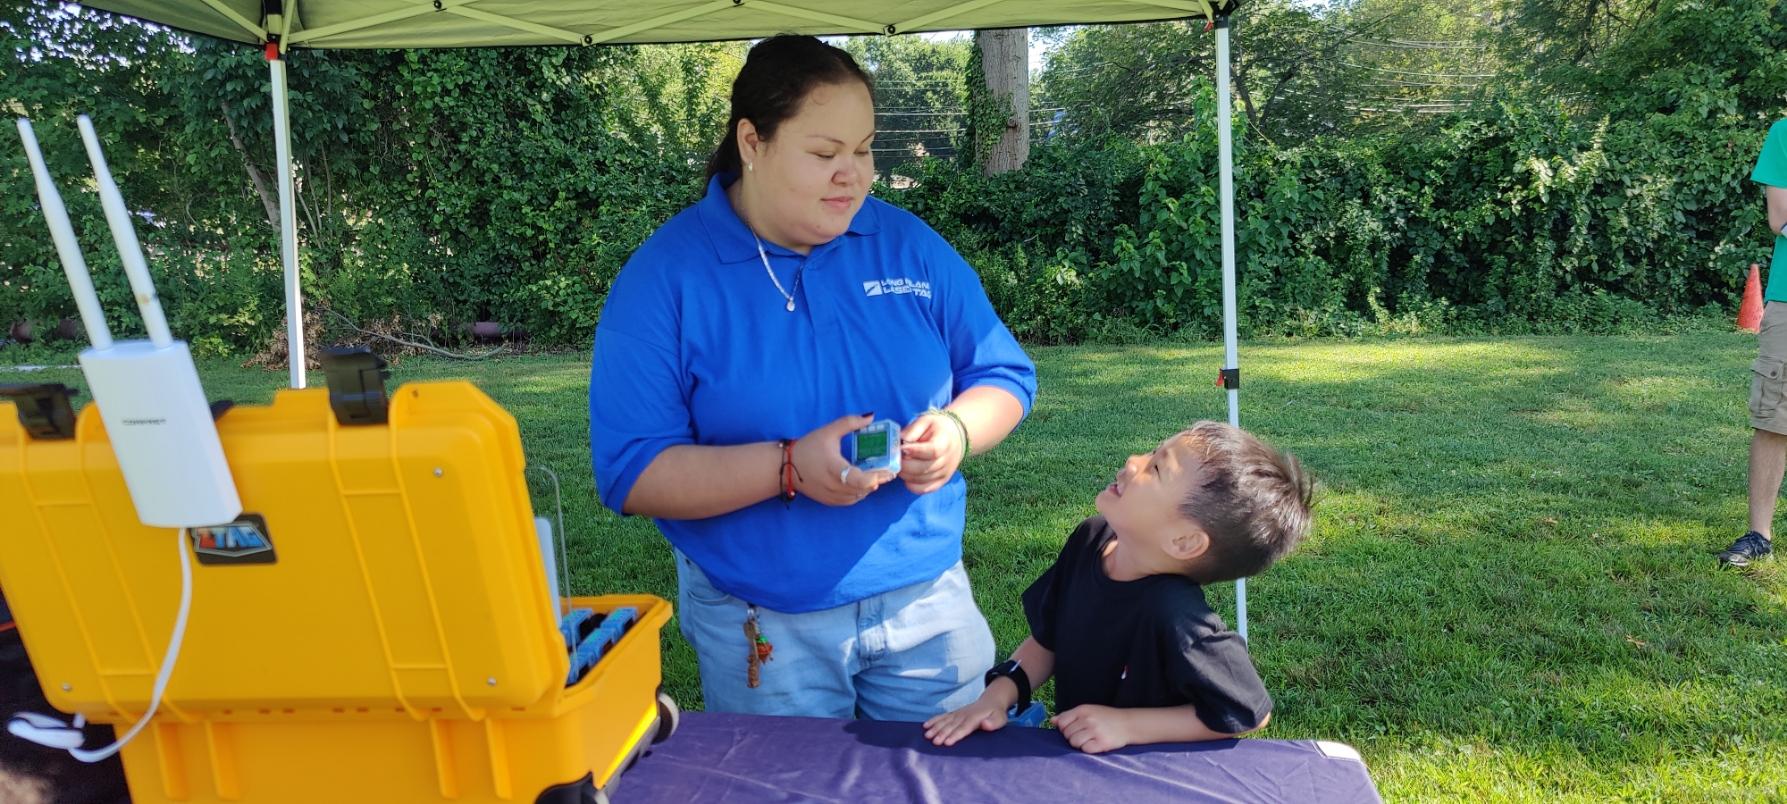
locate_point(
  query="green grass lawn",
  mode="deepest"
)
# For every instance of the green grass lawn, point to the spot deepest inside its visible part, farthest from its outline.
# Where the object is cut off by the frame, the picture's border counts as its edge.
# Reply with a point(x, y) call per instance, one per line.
point(1510, 591)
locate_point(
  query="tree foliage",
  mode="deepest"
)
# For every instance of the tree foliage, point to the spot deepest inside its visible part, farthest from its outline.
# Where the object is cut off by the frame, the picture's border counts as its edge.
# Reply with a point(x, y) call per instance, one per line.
point(921, 96)
point(1402, 165)
point(433, 188)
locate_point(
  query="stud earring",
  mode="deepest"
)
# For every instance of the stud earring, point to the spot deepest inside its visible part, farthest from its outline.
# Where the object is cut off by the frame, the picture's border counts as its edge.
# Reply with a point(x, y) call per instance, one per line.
point(751, 167)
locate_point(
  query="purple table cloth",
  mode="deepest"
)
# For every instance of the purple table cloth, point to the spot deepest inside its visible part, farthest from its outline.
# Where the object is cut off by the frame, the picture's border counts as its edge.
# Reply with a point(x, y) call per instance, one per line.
point(723, 757)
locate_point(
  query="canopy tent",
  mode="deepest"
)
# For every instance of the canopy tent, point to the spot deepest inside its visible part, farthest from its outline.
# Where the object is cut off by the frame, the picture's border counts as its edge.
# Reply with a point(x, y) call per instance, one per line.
point(493, 23)
point(284, 24)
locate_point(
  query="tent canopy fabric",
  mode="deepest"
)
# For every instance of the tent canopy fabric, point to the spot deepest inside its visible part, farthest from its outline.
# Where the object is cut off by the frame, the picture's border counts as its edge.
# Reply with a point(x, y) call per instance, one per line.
point(501, 23)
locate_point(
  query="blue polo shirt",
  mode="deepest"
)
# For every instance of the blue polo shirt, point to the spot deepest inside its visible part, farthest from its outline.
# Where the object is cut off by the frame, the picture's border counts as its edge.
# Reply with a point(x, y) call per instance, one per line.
point(696, 346)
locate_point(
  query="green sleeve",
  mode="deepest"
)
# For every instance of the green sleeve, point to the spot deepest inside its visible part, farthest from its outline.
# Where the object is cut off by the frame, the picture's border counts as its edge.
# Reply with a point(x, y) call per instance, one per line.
point(1771, 166)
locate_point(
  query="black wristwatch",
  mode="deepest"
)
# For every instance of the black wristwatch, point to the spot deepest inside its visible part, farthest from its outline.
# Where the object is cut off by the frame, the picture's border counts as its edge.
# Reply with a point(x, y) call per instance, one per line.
point(1010, 669)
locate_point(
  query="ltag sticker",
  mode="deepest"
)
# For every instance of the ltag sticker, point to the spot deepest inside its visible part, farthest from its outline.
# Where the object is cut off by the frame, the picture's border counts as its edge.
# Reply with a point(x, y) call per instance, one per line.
point(244, 541)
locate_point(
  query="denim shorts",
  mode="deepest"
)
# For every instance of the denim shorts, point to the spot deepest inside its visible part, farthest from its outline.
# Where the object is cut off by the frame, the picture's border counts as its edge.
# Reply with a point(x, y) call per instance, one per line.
point(907, 654)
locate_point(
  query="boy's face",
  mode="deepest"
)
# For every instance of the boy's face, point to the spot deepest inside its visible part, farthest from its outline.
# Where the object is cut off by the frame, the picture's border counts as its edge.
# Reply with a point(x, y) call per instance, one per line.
point(1143, 504)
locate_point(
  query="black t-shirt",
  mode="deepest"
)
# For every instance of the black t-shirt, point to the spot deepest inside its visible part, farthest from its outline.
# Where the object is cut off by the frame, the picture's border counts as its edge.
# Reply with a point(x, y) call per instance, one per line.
point(1151, 642)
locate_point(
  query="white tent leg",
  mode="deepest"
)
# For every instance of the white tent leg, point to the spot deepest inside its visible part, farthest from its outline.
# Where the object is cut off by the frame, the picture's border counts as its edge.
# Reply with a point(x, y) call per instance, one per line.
point(288, 225)
point(1225, 151)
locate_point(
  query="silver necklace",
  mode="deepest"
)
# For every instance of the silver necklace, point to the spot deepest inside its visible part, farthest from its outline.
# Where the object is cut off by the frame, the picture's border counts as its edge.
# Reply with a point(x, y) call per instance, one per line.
point(772, 272)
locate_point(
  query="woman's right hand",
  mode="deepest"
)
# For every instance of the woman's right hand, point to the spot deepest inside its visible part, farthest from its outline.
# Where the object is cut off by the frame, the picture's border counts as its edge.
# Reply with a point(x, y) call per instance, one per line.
point(820, 467)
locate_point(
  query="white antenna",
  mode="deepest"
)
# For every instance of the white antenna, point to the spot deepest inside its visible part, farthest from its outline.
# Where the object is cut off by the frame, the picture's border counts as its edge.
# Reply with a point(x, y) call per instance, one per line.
point(73, 264)
point(147, 392)
point(125, 235)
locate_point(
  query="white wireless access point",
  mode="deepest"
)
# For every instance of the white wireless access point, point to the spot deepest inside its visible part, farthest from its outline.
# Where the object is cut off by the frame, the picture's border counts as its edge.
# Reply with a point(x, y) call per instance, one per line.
point(148, 392)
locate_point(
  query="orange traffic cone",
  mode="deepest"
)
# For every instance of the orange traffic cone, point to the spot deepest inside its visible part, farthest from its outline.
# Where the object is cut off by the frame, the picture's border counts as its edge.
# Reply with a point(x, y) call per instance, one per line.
point(1749, 315)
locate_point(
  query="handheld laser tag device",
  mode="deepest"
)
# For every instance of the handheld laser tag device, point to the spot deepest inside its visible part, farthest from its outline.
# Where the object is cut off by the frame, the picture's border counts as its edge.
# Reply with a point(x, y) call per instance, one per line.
point(876, 446)
point(364, 607)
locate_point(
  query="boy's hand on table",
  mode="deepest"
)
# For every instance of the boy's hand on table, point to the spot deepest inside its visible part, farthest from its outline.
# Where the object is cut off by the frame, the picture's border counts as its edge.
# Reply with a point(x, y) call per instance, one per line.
point(982, 715)
point(1094, 729)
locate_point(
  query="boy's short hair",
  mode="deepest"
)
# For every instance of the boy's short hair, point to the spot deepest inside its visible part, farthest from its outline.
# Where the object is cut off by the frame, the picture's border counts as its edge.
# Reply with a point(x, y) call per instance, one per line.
point(1251, 499)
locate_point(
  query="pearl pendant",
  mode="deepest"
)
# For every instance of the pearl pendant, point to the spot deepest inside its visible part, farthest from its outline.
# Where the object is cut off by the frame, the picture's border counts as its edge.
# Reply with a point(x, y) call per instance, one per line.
point(790, 305)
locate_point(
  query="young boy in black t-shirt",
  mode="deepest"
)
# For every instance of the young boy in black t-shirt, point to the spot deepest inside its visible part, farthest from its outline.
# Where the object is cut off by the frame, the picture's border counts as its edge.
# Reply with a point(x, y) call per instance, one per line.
point(1120, 622)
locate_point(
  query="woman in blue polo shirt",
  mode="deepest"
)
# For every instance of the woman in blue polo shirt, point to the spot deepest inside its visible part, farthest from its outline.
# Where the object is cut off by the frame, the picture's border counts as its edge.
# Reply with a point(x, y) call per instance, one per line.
point(740, 344)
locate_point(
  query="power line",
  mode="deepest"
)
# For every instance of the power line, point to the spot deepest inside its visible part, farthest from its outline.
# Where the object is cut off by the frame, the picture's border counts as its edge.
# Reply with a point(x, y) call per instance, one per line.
point(1413, 72)
point(1402, 110)
point(881, 134)
point(1406, 44)
point(920, 81)
point(954, 112)
point(1396, 82)
point(1386, 104)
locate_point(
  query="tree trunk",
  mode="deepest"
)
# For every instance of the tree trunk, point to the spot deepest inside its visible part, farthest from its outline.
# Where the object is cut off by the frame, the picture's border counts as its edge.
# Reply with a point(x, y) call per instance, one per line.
point(1005, 57)
point(268, 199)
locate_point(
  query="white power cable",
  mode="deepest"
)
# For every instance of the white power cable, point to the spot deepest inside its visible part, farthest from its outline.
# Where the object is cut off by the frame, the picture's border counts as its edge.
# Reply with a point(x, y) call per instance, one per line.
point(48, 731)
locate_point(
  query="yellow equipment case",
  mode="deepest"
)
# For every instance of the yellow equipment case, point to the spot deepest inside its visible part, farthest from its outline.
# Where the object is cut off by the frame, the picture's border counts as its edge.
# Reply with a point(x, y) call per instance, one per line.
point(378, 627)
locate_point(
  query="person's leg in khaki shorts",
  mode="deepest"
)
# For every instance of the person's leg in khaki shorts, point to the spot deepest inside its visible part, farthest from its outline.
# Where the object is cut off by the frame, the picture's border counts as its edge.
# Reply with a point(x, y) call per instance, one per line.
point(1768, 442)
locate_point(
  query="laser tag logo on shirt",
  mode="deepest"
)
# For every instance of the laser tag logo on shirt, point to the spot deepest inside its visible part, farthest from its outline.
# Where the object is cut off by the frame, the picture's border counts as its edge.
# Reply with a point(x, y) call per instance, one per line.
point(897, 287)
point(244, 541)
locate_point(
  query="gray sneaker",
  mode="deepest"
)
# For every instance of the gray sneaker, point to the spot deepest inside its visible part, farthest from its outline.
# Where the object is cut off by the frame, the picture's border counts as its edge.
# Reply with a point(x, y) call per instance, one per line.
point(1750, 547)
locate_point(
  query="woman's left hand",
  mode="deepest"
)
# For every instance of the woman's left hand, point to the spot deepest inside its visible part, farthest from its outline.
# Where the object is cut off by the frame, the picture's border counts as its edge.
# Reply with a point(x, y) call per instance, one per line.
point(930, 452)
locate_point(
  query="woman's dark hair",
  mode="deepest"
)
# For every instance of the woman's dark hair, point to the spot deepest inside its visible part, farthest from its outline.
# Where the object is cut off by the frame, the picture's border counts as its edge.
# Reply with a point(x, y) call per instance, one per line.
point(778, 74)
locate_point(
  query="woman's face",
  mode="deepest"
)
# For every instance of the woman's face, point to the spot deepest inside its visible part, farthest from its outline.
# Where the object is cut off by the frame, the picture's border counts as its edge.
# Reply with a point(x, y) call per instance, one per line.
point(808, 182)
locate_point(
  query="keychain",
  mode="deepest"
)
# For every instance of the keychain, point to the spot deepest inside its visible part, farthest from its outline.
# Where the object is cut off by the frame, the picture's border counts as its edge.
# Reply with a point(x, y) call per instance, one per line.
point(760, 649)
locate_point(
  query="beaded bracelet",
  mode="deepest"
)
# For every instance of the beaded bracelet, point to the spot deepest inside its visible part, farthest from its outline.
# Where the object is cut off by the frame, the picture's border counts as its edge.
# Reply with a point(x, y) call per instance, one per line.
point(959, 426)
point(787, 473)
